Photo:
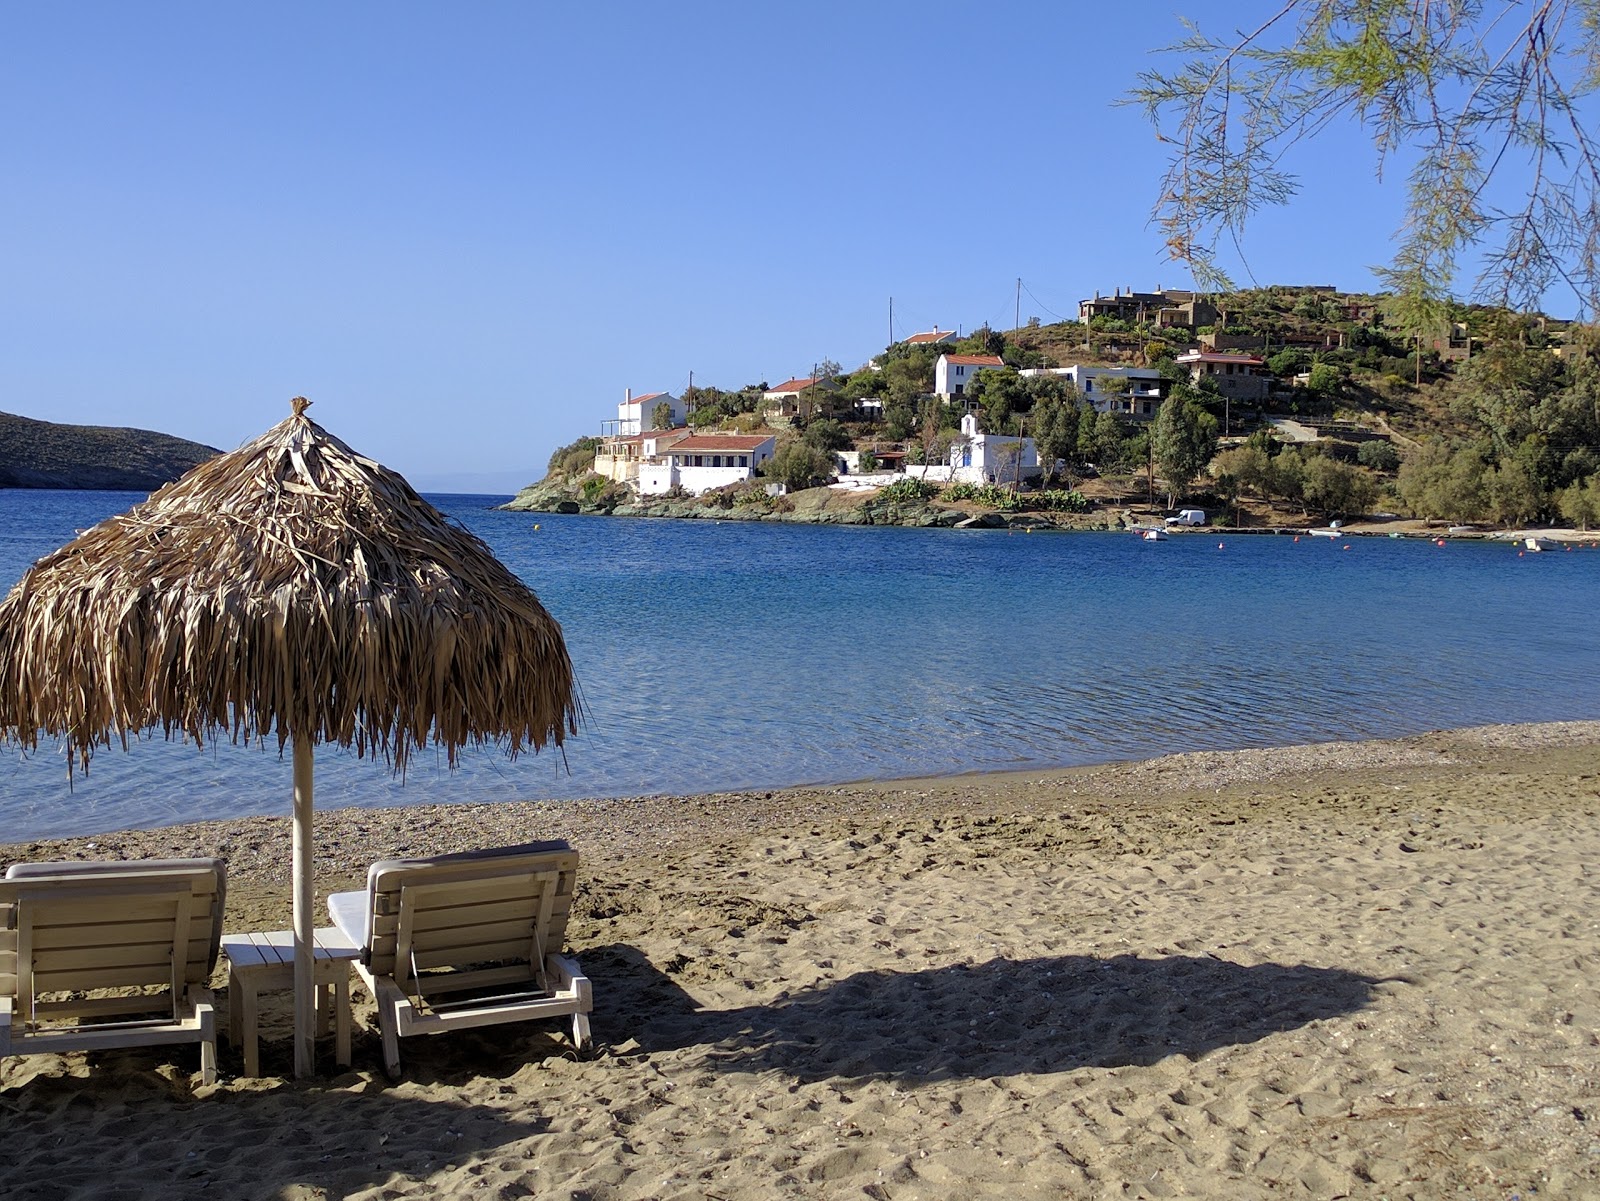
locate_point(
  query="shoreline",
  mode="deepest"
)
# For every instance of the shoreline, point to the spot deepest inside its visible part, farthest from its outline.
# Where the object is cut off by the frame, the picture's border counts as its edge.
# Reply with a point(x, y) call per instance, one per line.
point(1358, 968)
point(651, 822)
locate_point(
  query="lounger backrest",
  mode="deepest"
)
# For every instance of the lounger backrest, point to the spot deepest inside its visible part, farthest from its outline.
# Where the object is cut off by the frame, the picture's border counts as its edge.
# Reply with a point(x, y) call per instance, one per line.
point(479, 907)
point(207, 880)
point(122, 927)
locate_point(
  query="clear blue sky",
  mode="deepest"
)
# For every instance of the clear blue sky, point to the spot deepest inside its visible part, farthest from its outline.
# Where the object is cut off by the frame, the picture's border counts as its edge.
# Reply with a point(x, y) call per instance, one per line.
point(464, 230)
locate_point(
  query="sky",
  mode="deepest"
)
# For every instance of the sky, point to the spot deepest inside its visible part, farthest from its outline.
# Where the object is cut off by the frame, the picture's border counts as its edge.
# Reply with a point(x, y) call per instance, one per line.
point(464, 230)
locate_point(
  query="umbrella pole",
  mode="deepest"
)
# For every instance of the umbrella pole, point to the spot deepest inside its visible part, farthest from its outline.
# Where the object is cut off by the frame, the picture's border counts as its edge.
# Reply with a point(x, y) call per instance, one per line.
point(305, 997)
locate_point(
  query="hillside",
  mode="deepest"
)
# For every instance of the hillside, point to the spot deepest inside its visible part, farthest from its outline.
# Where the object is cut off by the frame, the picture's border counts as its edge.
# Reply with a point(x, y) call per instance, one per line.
point(45, 454)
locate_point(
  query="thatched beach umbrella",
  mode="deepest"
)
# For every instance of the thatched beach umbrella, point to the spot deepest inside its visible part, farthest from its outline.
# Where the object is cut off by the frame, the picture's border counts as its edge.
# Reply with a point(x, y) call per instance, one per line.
point(290, 589)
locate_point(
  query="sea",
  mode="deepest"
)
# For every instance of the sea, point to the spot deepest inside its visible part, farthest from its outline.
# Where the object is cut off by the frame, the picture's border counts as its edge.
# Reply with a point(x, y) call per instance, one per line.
point(722, 656)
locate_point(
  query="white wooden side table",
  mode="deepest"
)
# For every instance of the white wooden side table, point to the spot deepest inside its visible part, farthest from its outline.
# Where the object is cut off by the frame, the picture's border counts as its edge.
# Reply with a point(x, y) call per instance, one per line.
point(264, 962)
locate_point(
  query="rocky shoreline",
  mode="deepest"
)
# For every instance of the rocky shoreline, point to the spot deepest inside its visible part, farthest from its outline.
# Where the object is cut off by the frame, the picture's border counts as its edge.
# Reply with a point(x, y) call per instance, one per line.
point(830, 506)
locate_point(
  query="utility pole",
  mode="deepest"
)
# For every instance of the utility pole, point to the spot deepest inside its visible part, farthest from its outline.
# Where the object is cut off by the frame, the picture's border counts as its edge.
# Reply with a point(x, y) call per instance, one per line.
point(890, 342)
point(1016, 320)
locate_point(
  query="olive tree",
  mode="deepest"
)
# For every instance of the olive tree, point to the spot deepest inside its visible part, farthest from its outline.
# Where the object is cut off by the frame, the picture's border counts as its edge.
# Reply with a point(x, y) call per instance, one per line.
point(1476, 92)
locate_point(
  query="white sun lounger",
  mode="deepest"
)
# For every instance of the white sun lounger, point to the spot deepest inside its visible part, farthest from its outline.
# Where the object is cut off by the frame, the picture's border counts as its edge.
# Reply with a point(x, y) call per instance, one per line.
point(115, 954)
point(465, 940)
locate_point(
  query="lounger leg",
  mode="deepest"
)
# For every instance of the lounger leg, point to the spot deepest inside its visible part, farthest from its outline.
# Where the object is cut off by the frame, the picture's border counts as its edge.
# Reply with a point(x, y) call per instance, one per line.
point(208, 1042)
point(580, 1031)
point(391, 1044)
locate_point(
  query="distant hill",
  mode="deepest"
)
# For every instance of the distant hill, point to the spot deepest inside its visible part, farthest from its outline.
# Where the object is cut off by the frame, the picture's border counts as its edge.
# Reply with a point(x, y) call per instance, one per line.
point(44, 454)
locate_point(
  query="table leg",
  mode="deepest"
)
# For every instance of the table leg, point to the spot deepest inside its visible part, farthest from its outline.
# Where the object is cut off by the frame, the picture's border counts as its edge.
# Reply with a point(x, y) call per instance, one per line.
point(247, 1028)
point(341, 1018)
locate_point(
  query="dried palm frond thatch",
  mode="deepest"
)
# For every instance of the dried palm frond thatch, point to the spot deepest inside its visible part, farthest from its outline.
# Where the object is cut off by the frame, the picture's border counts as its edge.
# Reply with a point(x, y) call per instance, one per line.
point(290, 588)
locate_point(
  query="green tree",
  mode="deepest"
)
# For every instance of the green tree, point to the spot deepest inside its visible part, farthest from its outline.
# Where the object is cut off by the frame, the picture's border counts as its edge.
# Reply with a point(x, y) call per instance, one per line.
point(1249, 466)
point(1472, 91)
point(1184, 441)
point(1512, 495)
point(796, 464)
point(1055, 432)
point(1338, 489)
point(1580, 503)
point(826, 434)
point(1380, 456)
point(1444, 481)
point(661, 416)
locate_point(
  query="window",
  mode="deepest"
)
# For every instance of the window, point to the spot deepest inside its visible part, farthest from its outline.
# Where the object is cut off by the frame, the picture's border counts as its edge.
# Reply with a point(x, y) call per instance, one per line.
point(744, 461)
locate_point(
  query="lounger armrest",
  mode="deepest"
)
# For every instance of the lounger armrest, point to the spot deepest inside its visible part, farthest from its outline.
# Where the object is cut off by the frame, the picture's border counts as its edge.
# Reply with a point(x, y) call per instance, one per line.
point(5, 1026)
point(567, 977)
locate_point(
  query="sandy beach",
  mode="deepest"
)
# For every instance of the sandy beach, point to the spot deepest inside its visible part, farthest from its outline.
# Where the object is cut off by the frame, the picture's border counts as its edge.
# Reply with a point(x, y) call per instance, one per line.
point(1352, 970)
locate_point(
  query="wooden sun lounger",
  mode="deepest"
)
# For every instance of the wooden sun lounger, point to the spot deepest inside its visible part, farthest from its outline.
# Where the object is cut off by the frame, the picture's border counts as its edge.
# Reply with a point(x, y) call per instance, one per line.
point(467, 940)
point(96, 955)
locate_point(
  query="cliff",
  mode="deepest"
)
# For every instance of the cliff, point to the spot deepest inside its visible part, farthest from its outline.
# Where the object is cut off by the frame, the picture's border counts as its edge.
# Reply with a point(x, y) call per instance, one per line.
point(45, 454)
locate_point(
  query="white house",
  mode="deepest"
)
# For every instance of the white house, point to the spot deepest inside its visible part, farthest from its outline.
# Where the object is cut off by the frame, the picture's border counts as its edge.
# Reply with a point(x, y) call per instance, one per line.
point(620, 456)
point(1140, 397)
point(701, 462)
point(991, 458)
point(953, 372)
point(637, 414)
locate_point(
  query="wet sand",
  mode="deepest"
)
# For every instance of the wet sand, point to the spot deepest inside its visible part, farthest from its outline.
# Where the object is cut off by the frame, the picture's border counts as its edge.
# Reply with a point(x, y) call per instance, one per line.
point(1361, 969)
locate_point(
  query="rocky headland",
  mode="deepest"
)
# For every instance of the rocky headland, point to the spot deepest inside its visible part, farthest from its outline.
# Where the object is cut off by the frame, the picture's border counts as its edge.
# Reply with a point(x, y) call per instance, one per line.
point(812, 506)
point(46, 454)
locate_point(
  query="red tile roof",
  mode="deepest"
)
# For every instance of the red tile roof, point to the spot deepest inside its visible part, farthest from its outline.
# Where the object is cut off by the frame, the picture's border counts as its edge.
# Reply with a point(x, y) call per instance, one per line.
point(793, 385)
point(639, 400)
point(937, 335)
point(703, 443)
point(975, 360)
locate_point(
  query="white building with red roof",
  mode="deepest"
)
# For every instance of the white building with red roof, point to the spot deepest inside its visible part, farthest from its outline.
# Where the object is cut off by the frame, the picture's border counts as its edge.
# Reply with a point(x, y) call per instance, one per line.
point(619, 456)
point(701, 462)
point(934, 337)
point(637, 414)
point(953, 372)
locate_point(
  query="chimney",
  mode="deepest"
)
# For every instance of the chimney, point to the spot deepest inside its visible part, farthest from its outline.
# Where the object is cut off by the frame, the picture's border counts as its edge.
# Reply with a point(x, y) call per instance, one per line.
point(627, 396)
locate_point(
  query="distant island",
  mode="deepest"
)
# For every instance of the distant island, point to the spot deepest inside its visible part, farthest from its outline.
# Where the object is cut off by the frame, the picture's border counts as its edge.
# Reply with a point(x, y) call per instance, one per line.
point(46, 454)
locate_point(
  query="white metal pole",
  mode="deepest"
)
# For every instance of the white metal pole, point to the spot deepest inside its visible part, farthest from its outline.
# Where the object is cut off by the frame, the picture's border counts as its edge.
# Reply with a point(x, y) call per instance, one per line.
point(305, 998)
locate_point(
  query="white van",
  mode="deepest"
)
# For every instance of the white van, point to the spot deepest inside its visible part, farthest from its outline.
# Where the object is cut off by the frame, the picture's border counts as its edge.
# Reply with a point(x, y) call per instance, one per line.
point(1188, 517)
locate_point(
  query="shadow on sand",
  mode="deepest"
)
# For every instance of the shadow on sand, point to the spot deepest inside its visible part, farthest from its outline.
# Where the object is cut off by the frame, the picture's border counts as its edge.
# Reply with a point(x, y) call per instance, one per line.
point(999, 1018)
point(133, 1128)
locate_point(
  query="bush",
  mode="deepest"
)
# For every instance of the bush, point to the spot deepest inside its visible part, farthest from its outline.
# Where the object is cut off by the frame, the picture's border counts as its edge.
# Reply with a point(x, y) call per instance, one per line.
point(910, 489)
point(1057, 500)
point(573, 459)
point(1380, 456)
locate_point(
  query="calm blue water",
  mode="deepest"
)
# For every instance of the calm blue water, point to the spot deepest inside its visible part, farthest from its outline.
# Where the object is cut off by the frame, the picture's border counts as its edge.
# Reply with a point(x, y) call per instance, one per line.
point(725, 656)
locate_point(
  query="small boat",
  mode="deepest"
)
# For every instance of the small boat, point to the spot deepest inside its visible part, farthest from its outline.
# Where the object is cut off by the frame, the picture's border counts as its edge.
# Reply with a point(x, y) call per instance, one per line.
point(1154, 535)
point(1327, 532)
point(1531, 543)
